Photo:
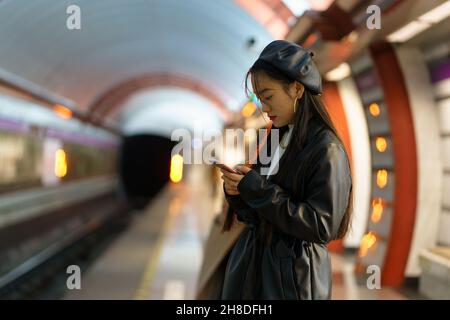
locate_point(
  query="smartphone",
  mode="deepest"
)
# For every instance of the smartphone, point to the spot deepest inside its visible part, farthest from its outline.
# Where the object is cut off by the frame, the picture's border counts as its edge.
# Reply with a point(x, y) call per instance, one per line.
point(216, 163)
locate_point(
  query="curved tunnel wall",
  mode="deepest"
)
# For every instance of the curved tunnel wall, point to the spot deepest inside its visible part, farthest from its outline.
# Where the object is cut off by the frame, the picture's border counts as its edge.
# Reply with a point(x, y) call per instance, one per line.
point(405, 164)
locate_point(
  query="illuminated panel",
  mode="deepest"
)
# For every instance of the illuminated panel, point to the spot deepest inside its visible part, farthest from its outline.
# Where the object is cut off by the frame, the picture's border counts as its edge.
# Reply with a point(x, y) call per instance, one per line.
point(176, 168)
point(60, 163)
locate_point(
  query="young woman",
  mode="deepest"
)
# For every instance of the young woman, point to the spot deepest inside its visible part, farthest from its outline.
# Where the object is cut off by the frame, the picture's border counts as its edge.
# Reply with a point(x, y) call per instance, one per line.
point(293, 212)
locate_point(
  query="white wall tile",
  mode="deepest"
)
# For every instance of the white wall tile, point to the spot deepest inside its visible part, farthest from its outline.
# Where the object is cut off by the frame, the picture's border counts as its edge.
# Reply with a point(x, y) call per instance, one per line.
point(442, 89)
point(446, 192)
point(444, 115)
point(445, 145)
point(444, 228)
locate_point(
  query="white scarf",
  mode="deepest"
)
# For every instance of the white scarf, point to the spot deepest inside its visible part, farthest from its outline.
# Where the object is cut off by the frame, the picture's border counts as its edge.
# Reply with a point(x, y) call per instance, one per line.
point(279, 151)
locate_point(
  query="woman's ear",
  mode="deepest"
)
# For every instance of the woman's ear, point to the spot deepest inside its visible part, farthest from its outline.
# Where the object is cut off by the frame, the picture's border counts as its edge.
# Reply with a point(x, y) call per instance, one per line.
point(296, 90)
point(300, 89)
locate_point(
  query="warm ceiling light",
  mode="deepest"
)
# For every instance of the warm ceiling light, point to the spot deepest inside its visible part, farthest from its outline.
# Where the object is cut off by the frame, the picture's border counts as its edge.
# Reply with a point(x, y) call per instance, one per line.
point(408, 31)
point(367, 242)
point(423, 22)
point(382, 178)
point(377, 210)
point(248, 109)
point(374, 109)
point(437, 14)
point(352, 36)
point(62, 111)
point(381, 144)
point(340, 72)
point(310, 40)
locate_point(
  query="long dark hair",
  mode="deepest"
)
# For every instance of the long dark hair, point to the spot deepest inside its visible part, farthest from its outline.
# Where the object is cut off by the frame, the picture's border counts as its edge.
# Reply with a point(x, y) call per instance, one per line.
point(309, 107)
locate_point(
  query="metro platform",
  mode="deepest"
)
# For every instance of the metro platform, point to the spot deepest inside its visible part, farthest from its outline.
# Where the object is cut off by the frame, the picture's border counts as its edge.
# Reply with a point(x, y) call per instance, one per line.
point(159, 256)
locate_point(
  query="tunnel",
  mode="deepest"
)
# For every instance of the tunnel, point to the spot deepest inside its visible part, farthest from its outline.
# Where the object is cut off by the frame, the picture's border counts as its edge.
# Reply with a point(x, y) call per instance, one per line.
point(144, 155)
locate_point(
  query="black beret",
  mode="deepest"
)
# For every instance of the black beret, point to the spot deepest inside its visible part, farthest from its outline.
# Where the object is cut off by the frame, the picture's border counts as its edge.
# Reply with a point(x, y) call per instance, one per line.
point(295, 61)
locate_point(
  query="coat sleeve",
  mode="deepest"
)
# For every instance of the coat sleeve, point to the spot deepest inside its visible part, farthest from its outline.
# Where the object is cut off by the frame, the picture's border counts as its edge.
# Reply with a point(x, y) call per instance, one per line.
point(244, 212)
point(318, 216)
point(235, 201)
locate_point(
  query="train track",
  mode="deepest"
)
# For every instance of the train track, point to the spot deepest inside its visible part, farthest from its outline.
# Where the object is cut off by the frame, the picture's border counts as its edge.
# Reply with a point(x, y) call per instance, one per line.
point(43, 276)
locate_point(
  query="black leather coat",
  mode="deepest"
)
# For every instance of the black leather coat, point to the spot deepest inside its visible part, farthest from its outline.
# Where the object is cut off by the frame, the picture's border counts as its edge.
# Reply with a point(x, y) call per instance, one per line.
point(296, 264)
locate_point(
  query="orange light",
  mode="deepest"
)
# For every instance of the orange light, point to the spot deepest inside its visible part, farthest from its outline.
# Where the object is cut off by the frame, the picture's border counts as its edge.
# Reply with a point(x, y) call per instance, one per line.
point(248, 109)
point(374, 109)
point(377, 210)
point(381, 144)
point(310, 40)
point(62, 111)
point(60, 163)
point(382, 178)
point(176, 168)
point(367, 242)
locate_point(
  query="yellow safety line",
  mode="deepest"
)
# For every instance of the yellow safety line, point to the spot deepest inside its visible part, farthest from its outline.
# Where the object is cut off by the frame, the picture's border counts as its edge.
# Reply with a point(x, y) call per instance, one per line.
point(143, 291)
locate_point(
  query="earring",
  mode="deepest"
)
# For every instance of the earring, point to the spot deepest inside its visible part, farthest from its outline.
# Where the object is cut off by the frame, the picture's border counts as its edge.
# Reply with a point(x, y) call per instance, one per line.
point(295, 104)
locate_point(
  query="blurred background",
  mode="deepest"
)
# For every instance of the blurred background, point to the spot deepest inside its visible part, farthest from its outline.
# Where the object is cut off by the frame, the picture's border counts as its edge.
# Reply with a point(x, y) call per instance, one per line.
point(94, 205)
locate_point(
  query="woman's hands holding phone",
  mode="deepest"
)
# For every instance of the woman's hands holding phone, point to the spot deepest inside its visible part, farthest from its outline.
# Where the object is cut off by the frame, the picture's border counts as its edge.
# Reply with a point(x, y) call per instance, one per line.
point(231, 180)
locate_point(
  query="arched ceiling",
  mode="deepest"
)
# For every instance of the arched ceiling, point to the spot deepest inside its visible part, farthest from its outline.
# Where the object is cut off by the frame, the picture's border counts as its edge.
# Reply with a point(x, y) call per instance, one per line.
point(113, 100)
point(172, 106)
point(123, 40)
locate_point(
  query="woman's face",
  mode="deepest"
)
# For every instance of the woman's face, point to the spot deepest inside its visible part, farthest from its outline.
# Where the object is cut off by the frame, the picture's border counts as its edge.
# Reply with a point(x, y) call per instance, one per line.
point(276, 101)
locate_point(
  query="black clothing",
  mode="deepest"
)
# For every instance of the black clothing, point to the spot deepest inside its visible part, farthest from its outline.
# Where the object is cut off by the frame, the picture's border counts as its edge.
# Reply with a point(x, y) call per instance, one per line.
point(296, 264)
point(295, 61)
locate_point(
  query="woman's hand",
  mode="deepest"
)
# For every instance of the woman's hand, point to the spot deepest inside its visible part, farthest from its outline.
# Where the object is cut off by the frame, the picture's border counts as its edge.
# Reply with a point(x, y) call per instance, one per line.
point(231, 180)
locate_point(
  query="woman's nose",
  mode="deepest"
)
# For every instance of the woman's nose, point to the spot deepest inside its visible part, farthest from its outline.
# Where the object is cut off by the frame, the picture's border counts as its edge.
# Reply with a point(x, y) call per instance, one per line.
point(265, 108)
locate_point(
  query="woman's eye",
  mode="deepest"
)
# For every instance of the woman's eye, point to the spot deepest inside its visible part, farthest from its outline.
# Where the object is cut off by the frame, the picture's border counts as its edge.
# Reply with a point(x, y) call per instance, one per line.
point(268, 98)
